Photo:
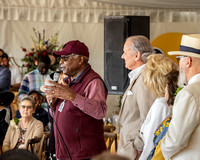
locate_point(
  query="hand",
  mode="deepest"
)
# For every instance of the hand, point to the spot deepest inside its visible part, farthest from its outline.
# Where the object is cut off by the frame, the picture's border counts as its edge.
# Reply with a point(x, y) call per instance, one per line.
point(61, 91)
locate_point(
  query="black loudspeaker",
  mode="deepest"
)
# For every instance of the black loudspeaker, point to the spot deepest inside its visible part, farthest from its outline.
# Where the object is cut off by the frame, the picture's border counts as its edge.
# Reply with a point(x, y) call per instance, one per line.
point(116, 30)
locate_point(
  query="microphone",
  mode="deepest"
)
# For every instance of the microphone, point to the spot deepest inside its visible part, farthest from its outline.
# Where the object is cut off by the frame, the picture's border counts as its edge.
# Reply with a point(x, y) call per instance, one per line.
point(55, 76)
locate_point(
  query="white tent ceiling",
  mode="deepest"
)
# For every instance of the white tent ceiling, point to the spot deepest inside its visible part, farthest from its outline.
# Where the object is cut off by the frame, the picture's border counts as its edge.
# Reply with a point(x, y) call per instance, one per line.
point(186, 4)
point(94, 11)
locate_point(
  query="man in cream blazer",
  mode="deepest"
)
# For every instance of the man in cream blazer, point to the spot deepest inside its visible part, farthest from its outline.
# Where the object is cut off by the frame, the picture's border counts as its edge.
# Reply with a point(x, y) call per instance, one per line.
point(137, 99)
point(182, 141)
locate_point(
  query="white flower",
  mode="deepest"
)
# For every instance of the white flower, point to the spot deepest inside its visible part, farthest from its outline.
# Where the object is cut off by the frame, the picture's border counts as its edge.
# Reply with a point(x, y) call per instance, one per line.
point(12, 123)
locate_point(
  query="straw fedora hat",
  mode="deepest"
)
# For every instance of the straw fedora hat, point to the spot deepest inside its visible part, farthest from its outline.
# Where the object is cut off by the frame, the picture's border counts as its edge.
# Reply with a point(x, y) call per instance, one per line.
point(190, 46)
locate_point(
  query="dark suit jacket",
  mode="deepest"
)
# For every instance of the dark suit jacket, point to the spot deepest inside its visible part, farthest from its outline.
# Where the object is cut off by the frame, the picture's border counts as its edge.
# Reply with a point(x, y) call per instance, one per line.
point(5, 78)
point(3, 126)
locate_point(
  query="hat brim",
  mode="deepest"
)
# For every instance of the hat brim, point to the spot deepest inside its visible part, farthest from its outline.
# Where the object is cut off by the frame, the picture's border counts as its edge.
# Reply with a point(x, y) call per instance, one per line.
point(56, 54)
point(59, 53)
point(182, 53)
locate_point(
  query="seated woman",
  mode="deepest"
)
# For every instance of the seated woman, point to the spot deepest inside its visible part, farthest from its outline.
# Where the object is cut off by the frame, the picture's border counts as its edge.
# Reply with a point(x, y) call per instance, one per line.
point(40, 113)
point(24, 129)
point(157, 71)
point(6, 98)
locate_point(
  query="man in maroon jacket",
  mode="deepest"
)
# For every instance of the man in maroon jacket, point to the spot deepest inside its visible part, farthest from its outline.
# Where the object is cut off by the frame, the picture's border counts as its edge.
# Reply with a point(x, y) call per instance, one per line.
point(79, 105)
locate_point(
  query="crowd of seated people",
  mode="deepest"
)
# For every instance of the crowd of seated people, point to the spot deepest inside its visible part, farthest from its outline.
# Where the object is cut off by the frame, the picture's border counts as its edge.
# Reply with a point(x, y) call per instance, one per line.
point(28, 119)
point(20, 131)
point(167, 132)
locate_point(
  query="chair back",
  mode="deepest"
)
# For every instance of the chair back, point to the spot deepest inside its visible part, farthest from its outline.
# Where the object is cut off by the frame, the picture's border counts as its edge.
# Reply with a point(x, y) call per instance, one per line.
point(43, 147)
point(110, 136)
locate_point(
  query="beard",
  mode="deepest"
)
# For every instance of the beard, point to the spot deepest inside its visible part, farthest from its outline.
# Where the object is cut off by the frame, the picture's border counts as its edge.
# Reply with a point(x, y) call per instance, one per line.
point(182, 80)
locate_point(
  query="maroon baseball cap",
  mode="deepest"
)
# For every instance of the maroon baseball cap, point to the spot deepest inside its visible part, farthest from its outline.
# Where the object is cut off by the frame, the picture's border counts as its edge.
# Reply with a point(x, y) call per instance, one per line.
point(75, 47)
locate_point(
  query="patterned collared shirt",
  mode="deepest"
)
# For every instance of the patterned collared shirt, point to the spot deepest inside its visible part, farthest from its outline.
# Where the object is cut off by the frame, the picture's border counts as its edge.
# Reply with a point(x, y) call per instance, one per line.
point(32, 81)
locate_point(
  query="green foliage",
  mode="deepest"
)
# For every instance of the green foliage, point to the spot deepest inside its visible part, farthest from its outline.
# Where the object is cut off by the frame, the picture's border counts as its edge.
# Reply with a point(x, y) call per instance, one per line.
point(177, 90)
point(16, 120)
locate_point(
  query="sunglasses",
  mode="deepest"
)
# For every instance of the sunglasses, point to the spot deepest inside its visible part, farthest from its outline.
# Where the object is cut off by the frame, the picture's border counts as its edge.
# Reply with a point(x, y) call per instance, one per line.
point(179, 58)
point(65, 58)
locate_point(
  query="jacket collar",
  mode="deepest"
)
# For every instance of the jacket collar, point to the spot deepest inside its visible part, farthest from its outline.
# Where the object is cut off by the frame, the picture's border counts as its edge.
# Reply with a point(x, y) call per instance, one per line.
point(195, 78)
point(134, 73)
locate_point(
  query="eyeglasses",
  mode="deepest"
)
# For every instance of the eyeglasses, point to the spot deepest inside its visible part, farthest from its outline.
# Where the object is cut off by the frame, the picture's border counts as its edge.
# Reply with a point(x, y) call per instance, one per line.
point(24, 107)
point(65, 58)
point(179, 58)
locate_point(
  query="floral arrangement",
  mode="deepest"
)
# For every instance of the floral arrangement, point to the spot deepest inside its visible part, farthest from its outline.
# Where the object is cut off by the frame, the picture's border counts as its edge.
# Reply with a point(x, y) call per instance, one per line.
point(41, 47)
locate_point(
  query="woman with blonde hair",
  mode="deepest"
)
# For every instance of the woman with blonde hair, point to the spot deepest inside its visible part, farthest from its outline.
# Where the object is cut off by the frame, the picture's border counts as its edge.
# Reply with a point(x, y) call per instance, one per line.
point(20, 131)
point(157, 72)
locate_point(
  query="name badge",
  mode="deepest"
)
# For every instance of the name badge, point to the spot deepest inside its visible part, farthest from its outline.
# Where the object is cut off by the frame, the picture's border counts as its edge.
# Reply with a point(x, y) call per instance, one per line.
point(62, 105)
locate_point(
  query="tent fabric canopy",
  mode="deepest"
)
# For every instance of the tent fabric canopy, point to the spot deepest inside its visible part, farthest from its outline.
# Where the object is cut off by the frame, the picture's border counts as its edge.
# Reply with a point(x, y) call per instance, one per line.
point(83, 20)
point(94, 11)
point(184, 4)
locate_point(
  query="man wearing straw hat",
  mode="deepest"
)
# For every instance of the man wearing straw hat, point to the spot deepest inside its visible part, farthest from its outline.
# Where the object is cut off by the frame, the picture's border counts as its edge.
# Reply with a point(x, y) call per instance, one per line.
point(182, 140)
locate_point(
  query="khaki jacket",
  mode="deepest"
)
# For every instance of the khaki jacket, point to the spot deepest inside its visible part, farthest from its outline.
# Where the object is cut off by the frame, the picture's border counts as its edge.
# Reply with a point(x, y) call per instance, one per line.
point(136, 103)
point(35, 129)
